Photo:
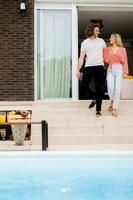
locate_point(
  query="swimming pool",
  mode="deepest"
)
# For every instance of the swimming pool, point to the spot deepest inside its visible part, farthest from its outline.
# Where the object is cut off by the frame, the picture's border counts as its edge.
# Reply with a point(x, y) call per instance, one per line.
point(66, 176)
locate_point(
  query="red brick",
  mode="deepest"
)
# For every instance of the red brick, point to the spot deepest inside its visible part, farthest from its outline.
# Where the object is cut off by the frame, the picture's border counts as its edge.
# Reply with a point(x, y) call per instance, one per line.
point(16, 51)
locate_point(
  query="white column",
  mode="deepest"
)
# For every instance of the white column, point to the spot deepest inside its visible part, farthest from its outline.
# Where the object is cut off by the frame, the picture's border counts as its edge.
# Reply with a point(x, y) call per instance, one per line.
point(74, 52)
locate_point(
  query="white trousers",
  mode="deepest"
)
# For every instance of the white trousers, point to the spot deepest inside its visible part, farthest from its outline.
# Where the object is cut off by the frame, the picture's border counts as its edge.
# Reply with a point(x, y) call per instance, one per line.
point(114, 84)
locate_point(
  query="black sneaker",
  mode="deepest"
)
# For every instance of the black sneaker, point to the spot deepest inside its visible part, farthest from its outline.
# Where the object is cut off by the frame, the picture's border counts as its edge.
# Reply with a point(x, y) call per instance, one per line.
point(98, 113)
point(92, 104)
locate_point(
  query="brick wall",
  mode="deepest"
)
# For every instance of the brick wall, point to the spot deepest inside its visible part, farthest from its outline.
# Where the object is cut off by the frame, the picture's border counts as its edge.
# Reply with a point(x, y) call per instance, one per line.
point(16, 51)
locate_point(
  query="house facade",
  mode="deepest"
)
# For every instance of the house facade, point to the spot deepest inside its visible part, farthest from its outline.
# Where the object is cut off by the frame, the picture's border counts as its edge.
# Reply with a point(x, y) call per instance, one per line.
point(39, 50)
point(16, 51)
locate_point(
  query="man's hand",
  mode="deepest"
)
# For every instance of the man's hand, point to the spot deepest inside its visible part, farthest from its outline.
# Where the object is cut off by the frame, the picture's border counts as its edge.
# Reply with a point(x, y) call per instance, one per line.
point(78, 74)
point(80, 63)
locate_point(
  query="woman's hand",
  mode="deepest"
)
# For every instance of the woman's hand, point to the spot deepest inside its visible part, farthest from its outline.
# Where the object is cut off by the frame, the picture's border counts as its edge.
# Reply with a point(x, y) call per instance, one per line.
point(125, 76)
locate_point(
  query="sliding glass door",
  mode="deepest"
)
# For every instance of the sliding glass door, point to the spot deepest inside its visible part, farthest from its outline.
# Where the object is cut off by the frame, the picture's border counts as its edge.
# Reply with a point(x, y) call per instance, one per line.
point(54, 50)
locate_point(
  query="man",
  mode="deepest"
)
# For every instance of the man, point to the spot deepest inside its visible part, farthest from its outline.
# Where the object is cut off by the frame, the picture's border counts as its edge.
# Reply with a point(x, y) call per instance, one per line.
point(92, 51)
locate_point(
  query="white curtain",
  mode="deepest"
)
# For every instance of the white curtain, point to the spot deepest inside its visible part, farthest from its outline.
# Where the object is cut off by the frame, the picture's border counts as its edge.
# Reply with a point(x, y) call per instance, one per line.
point(54, 54)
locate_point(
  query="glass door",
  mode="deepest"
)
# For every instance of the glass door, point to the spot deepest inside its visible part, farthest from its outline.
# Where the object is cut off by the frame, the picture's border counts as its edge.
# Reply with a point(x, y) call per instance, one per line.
point(54, 54)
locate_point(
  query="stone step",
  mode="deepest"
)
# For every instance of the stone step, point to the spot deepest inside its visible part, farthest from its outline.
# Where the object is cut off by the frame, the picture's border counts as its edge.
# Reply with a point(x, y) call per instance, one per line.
point(91, 139)
point(80, 112)
point(90, 120)
point(90, 147)
point(72, 123)
point(86, 130)
point(60, 105)
point(16, 105)
point(93, 135)
point(77, 129)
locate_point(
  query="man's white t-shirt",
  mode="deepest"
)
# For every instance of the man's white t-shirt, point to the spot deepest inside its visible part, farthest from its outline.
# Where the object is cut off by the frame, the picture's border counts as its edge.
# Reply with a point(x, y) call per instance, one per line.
point(93, 49)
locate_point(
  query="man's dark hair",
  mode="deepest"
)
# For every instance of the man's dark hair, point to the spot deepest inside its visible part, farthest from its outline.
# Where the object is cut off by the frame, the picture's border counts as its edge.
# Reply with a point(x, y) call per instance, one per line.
point(89, 31)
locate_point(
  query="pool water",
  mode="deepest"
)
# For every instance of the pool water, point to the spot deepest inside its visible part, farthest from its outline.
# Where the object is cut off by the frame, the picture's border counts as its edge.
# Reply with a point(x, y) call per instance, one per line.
point(66, 177)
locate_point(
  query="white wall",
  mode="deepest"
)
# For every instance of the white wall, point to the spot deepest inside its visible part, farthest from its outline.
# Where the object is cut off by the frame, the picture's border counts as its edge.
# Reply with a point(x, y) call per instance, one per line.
point(89, 1)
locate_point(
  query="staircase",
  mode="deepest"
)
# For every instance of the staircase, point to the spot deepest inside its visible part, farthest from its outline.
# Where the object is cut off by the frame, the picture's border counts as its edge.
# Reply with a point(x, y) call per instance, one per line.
point(72, 126)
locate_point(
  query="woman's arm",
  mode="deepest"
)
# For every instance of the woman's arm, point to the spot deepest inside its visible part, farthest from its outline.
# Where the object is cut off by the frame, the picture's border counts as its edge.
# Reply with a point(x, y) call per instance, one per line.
point(106, 55)
point(125, 63)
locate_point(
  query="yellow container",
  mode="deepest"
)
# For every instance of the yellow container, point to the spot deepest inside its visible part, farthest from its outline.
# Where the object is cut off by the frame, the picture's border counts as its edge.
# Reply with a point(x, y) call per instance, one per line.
point(3, 119)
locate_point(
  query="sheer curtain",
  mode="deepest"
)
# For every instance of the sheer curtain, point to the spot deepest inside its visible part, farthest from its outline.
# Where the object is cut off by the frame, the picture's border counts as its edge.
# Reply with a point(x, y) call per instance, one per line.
point(54, 54)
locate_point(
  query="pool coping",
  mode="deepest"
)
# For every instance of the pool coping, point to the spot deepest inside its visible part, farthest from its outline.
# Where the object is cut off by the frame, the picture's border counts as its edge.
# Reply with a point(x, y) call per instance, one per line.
point(64, 153)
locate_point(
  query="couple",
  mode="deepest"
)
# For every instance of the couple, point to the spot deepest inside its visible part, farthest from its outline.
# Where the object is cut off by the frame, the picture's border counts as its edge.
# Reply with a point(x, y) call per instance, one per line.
point(95, 52)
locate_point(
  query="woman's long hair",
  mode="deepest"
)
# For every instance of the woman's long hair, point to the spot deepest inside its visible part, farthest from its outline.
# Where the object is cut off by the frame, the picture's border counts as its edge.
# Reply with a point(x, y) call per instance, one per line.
point(118, 39)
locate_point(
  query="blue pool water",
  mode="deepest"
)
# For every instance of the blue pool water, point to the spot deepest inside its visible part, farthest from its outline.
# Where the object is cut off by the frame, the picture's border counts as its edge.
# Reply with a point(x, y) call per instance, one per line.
point(66, 177)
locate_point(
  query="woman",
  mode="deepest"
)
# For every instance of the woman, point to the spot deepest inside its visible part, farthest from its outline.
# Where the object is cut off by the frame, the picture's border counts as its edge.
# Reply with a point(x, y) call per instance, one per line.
point(116, 57)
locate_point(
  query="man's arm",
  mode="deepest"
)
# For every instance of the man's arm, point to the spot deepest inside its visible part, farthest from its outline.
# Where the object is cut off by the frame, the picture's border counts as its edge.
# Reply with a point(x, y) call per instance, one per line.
point(80, 63)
